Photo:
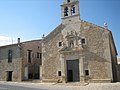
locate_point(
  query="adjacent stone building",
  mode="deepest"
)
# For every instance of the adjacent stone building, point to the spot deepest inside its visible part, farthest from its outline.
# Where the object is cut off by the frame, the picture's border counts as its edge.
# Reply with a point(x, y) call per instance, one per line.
point(118, 70)
point(20, 61)
point(78, 51)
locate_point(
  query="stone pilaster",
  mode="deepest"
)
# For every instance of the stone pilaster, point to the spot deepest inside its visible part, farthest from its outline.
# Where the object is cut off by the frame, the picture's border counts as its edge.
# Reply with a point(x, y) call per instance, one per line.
point(40, 72)
point(81, 69)
point(69, 11)
point(62, 67)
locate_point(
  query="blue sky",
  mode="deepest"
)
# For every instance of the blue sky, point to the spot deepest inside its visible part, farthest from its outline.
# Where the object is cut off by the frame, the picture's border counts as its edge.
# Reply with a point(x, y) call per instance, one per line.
point(30, 19)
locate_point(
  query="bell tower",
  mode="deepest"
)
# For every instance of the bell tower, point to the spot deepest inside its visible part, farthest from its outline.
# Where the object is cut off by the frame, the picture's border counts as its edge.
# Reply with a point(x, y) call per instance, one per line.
point(70, 10)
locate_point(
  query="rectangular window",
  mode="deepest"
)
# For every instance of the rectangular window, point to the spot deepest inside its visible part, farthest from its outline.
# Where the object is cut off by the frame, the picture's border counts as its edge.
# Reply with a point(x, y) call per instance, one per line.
point(87, 72)
point(9, 56)
point(40, 58)
point(29, 56)
point(60, 44)
point(83, 41)
point(59, 73)
point(38, 55)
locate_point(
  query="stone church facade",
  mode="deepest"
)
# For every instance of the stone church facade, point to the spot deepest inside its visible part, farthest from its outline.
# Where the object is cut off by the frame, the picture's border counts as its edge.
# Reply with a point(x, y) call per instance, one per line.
point(75, 51)
point(78, 51)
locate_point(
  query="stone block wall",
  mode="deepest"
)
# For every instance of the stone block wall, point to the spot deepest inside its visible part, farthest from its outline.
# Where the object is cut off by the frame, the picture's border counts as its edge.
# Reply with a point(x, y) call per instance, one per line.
point(14, 66)
point(20, 60)
point(34, 66)
point(51, 56)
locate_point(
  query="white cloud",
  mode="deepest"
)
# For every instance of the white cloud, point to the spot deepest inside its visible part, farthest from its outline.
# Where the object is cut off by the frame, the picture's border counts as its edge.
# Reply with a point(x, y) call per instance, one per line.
point(5, 40)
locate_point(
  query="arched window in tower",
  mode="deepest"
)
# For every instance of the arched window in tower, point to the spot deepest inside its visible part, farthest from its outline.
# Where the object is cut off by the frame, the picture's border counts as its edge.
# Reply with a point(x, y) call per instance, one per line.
point(66, 11)
point(68, 1)
point(73, 9)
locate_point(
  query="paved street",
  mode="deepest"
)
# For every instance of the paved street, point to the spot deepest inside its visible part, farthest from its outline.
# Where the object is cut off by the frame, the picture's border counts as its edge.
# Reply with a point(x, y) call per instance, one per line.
point(48, 86)
point(29, 86)
point(12, 87)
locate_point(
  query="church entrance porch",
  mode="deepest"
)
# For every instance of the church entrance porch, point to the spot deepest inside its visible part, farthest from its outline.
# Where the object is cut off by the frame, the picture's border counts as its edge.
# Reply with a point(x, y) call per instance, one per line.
point(73, 70)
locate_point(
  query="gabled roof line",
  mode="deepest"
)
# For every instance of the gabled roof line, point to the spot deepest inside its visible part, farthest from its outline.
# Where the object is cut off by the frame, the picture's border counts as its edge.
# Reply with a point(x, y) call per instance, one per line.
point(20, 43)
point(95, 25)
point(54, 31)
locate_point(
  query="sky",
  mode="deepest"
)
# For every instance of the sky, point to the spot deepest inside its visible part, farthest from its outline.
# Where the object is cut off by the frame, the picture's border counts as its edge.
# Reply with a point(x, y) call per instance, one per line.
point(30, 19)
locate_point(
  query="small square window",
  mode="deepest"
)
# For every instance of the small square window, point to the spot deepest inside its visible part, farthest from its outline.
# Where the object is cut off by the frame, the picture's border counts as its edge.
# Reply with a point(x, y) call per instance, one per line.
point(60, 44)
point(59, 73)
point(87, 72)
point(83, 41)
